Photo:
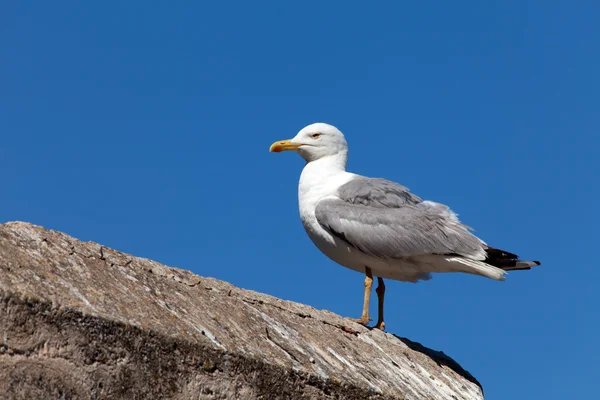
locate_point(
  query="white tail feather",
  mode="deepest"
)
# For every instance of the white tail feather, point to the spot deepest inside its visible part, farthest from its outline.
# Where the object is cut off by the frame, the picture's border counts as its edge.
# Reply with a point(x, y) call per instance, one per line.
point(477, 268)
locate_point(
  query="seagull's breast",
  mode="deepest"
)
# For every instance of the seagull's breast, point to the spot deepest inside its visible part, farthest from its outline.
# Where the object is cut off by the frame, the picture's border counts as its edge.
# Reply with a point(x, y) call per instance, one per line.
point(315, 185)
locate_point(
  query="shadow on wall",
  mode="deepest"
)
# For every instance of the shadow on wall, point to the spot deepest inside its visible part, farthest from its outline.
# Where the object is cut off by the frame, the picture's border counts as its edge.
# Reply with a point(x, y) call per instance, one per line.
point(440, 359)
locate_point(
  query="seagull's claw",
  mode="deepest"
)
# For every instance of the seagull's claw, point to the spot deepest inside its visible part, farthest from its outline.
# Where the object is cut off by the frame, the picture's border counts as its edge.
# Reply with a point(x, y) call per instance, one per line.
point(364, 321)
point(380, 325)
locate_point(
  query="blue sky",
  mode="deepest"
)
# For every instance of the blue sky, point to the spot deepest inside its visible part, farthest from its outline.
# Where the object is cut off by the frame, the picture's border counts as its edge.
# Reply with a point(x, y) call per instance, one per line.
point(145, 126)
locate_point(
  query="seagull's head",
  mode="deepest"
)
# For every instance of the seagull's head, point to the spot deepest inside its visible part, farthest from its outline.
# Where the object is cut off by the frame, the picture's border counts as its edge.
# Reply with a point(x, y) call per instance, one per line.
point(314, 142)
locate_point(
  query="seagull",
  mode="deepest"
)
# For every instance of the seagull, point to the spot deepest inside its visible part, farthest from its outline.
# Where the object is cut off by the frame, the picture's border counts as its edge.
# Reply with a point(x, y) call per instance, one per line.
point(378, 227)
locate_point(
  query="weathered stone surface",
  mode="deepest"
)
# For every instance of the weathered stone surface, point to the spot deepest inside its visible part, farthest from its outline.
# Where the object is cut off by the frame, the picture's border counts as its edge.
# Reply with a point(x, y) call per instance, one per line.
point(79, 321)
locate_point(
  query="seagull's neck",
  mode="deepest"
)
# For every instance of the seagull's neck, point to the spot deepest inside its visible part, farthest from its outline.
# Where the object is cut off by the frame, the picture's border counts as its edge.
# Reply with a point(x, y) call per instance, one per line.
point(322, 177)
point(337, 161)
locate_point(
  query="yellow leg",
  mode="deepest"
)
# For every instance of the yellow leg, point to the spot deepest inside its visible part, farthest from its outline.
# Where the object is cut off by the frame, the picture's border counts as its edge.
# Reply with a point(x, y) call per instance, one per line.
point(380, 295)
point(364, 319)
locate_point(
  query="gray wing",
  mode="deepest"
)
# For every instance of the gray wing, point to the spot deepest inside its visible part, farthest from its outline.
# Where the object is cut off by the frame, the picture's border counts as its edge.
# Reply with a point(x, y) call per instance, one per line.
point(383, 219)
point(377, 192)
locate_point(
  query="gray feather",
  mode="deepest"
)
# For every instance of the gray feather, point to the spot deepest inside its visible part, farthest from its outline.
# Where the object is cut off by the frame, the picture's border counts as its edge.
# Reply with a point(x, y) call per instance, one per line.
point(382, 219)
point(377, 192)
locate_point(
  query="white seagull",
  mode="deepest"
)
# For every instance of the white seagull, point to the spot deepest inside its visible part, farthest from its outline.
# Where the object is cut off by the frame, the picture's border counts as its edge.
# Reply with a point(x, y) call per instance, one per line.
point(378, 227)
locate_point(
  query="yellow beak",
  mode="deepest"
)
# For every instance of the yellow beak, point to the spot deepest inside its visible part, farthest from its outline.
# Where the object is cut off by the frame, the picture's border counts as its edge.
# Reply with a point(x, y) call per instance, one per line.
point(283, 145)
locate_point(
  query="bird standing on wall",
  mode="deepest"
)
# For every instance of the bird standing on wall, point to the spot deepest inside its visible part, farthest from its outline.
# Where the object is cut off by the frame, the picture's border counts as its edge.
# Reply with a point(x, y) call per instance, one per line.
point(378, 227)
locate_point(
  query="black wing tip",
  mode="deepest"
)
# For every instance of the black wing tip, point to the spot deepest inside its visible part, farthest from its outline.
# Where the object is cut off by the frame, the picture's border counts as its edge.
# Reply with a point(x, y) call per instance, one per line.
point(507, 261)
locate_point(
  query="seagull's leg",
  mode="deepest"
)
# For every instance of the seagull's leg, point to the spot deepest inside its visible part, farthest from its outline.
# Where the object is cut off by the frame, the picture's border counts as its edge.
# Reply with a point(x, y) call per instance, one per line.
point(380, 295)
point(364, 319)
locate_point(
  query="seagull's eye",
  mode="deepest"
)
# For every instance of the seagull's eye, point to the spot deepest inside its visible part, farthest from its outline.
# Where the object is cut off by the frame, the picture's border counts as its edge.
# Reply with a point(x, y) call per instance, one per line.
point(315, 135)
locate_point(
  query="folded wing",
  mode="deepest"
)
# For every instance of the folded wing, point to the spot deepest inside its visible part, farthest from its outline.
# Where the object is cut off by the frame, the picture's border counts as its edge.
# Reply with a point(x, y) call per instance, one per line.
point(383, 219)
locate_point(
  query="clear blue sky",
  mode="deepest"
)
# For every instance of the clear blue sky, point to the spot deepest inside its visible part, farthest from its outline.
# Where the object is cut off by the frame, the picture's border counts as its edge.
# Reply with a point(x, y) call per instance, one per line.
point(145, 126)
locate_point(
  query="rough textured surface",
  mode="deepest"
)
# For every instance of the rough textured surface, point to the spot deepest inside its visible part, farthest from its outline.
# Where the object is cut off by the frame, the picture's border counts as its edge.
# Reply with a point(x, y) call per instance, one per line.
point(78, 321)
